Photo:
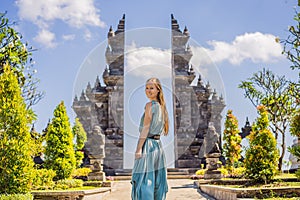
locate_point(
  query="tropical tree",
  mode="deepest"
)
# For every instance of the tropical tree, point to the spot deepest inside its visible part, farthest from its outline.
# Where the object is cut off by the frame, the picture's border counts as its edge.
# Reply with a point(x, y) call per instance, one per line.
point(262, 155)
point(17, 54)
point(16, 148)
point(79, 135)
point(265, 88)
point(59, 151)
point(232, 141)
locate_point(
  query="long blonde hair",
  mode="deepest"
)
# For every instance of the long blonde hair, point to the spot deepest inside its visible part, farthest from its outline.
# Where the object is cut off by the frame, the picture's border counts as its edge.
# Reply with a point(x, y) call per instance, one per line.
point(161, 100)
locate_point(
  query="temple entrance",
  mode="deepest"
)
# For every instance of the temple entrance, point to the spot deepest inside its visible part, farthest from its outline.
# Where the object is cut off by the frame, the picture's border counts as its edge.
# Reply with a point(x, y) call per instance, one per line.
point(113, 105)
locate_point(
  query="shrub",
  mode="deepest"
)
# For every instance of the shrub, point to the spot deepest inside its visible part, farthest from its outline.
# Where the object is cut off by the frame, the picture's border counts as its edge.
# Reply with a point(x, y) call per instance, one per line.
point(16, 164)
point(232, 141)
point(44, 179)
point(224, 171)
point(68, 183)
point(59, 152)
point(81, 172)
point(238, 172)
point(262, 156)
point(201, 171)
point(16, 197)
point(79, 135)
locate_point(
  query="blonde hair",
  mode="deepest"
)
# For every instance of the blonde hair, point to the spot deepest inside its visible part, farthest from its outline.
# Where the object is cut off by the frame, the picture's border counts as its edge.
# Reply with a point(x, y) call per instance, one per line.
point(161, 100)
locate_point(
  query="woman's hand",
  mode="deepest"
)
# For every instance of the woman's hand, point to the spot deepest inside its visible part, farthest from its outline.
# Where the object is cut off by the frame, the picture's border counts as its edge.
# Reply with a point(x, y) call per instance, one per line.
point(138, 154)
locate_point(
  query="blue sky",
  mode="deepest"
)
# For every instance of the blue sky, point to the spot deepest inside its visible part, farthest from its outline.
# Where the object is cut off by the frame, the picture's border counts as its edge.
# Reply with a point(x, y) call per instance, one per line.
point(235, 37)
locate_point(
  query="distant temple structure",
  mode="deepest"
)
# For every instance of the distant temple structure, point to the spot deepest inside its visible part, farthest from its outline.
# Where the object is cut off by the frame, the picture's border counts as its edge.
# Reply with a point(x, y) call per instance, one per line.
point(195, 107)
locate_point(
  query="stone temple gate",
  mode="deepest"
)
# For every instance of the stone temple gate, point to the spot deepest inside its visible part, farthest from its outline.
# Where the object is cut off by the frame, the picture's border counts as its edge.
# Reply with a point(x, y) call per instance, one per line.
point(101, 107)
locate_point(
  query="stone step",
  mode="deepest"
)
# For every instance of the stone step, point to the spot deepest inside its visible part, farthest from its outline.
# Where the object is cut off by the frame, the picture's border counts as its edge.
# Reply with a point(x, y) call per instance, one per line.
point(119, 178)
point(173, 173)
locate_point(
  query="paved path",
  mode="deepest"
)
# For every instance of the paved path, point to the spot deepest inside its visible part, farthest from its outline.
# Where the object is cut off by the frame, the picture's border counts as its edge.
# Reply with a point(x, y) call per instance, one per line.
point(179, 189)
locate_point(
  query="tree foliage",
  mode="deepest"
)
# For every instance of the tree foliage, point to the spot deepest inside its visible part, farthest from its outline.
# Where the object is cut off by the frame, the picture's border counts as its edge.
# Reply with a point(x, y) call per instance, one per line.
point(80, 136)
point(16, 164)
point(295, 131)
point(292, 43)
point(59, 151)
point(232, 141)
point(274, 92)
point(18, 55)
point(261, 159)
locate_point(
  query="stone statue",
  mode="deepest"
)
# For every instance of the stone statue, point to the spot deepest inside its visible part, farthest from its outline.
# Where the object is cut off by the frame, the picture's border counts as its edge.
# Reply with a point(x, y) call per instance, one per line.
point(211, 151)
point(95, 144)
point(95, 148)
point(212, 141)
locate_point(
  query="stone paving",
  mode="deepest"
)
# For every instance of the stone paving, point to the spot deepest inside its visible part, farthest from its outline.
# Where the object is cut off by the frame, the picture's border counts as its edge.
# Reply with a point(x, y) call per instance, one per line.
point(179, 189)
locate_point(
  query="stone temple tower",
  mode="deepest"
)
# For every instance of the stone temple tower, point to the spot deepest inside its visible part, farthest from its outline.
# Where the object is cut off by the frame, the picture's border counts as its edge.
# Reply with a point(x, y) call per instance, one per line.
point(195, 107)
point(102, 106)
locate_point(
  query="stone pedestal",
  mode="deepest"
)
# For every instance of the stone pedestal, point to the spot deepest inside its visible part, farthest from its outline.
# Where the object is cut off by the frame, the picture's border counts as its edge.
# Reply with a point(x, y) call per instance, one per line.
point(212, 166)
point(96, 176)
point(97, 173)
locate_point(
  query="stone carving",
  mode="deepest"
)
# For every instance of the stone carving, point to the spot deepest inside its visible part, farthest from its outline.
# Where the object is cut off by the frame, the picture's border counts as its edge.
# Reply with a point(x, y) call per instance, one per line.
point(95, 149)
point(211, 151)
point(96, 144)
point(212, 141)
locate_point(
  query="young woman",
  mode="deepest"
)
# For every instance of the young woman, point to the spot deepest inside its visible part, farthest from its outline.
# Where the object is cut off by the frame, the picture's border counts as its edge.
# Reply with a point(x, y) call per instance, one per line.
point(149, 174)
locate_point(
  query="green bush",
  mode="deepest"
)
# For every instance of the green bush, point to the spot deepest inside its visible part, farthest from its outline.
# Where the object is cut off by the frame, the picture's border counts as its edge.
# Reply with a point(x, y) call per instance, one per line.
point(261, 161)
point(16, 163)
point(44, 179)
point(16, 197)
point(224, 171)
point(81, 172)
point(68, 183)
point(59, 151)
point(238, 172)
point(232, 141)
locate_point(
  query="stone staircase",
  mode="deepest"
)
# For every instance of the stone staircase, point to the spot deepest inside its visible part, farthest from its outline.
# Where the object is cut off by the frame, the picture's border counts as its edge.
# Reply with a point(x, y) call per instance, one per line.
point(173, 173)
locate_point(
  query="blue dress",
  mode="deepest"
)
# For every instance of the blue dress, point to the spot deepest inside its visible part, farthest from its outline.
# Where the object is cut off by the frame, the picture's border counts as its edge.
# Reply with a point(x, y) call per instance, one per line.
point(149, 174)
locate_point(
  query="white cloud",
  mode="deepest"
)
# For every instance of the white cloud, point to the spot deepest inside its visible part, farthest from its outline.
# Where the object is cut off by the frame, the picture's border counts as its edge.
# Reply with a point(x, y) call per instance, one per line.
point(257, 47)
point(68, 37)
point(75, 13)
point(148, 62)
point(46, 38)
point(87, 35)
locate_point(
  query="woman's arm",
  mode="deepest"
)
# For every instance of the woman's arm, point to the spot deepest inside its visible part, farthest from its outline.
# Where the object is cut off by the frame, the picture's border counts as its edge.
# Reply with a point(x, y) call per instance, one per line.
point(145, 131)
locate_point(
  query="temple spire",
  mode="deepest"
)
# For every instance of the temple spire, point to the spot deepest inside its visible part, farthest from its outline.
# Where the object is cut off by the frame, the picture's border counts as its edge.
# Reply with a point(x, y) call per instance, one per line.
point(185, 31)
point(110, 33)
